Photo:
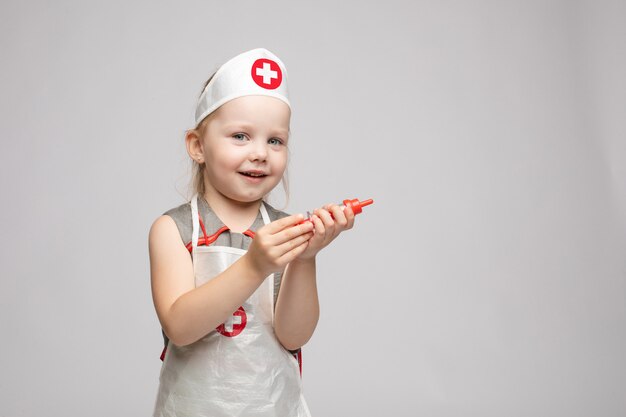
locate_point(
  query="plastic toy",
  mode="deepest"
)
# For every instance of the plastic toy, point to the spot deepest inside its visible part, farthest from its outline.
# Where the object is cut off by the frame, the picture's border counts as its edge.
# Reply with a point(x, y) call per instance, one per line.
point(355, 205)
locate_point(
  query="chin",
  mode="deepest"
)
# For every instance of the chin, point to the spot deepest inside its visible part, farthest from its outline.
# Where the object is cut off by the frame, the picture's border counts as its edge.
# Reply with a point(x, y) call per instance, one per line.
point(247, 198)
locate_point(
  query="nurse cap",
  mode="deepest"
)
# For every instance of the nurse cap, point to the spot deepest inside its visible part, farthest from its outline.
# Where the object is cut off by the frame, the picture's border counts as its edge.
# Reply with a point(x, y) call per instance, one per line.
point(251, 73)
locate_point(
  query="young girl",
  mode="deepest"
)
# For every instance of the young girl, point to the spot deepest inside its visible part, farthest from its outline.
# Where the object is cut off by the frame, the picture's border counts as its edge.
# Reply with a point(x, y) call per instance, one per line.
point(218, 262)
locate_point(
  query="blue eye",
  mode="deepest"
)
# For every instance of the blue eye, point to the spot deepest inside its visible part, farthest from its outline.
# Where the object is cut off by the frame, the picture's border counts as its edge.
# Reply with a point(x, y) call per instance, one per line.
point(275, 141)
point(237, 135)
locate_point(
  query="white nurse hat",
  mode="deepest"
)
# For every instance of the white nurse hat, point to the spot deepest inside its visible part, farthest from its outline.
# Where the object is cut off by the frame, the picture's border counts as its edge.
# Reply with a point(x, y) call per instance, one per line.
point(255, 72)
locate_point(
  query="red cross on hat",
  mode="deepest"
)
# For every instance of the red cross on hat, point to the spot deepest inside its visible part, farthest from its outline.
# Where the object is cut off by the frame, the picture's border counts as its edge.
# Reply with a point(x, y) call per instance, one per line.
point(266, 73)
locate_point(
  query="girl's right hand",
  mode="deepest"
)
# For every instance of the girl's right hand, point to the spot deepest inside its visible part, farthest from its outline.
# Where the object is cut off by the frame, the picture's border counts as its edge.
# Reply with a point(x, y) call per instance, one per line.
point(278, 243)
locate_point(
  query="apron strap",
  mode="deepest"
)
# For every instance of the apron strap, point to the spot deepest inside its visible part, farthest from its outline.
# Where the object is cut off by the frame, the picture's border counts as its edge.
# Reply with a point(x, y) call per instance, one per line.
point(266, 220)
point(195, 222)
point(266, 217)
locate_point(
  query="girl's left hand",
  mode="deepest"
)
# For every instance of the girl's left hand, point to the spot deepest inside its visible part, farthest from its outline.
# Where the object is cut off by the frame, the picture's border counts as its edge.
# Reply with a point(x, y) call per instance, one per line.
point(326, 228)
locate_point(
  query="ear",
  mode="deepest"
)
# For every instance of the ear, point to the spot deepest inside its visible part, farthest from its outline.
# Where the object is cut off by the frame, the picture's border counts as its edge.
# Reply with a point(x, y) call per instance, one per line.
point(193, 142)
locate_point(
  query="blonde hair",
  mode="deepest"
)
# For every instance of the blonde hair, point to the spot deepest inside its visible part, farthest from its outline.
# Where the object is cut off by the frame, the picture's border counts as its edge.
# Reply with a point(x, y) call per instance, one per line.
point(197, 169)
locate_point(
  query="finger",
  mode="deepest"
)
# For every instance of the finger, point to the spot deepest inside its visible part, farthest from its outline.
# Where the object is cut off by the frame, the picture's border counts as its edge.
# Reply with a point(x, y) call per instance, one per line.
point(327, 220)
point(329, 227)
point(293, 253)
point(318, 224)
point(349, 217)
point(320, 230)
point(338, 214)
point(292, 243)
point(291, 233)
point(280, 224)
point(325, 216)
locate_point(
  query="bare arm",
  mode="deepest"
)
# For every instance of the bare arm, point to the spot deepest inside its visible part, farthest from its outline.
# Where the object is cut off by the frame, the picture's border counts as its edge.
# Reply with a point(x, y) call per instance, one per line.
point(297, 307)
point(188, 313)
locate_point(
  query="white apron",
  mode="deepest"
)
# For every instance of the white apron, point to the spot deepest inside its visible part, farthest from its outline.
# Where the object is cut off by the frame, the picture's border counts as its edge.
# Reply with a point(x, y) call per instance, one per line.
point(238, 369)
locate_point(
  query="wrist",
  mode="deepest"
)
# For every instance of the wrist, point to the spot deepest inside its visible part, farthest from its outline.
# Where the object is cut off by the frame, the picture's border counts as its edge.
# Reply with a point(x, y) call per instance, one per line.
point(253, 268)
point(304, 261)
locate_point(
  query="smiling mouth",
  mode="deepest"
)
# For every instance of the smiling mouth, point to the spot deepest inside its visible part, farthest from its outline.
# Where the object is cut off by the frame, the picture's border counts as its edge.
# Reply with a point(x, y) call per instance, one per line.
point(253, 175)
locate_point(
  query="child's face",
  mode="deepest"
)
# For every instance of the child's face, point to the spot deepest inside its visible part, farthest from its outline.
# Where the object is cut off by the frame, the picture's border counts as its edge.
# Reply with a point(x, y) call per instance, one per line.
point(247, 135)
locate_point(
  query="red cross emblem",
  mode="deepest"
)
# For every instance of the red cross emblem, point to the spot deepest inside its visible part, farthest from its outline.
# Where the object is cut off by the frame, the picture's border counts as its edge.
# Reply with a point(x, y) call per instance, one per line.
point(234, 324)
point(266, 73)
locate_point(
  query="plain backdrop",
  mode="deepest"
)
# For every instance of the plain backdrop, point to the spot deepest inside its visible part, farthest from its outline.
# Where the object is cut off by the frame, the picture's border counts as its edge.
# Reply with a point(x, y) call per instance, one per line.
point(489, 276)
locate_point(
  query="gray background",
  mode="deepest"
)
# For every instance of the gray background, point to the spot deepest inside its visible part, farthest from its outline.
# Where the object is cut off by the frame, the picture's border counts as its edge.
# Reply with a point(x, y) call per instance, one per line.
point(488, 279)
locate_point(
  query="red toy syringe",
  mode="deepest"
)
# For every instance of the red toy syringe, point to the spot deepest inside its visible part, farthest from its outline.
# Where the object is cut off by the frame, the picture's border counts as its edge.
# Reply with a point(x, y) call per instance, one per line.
point(355, 205)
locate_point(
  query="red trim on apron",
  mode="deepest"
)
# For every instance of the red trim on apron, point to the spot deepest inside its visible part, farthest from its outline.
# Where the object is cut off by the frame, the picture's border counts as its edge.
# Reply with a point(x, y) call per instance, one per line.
point(207, 240)
point(298, 356)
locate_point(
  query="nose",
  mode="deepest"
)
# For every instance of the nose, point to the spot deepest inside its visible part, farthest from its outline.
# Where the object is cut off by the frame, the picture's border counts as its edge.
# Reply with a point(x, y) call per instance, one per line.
point(258, 151)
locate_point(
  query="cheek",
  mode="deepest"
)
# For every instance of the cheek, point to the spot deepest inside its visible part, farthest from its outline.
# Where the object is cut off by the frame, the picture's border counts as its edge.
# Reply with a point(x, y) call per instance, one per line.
point(228, 158)
point(280, 160)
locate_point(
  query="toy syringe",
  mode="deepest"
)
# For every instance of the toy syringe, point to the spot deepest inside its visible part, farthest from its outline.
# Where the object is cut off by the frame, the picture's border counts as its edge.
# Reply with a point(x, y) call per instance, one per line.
point(355, 205)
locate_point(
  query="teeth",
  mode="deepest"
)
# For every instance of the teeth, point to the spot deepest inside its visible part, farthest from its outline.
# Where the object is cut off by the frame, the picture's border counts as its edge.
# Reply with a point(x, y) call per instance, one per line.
point(253, 174)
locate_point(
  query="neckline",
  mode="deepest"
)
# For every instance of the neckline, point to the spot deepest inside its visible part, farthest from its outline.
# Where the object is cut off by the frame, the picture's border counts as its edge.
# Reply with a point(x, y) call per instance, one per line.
point(252, 227)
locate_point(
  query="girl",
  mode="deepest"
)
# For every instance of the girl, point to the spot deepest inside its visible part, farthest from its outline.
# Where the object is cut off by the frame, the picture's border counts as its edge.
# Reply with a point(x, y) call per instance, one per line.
point(218, 262)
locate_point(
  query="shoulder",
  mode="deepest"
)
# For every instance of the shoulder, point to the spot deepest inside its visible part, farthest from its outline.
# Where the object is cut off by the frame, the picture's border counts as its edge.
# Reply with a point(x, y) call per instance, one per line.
point(274, 213)
point(181, 212)
point(177, 218)
point(163, 229)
